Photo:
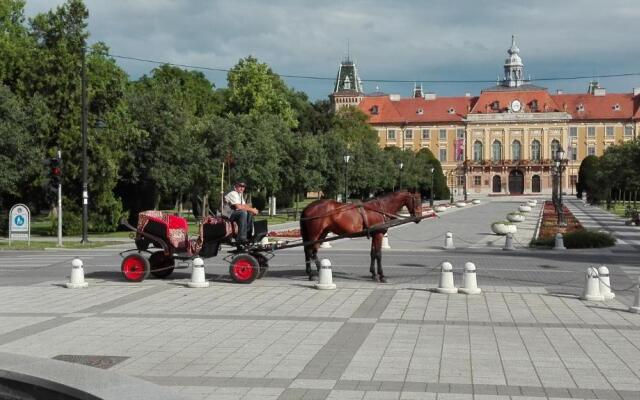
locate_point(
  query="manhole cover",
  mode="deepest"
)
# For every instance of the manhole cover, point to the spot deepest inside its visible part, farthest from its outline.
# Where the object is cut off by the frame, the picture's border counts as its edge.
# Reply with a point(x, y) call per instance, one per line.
point(102, 362)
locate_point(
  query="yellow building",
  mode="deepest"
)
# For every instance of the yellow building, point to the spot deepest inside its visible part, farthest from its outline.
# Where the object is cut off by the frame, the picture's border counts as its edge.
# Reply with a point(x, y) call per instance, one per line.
point(504, 140)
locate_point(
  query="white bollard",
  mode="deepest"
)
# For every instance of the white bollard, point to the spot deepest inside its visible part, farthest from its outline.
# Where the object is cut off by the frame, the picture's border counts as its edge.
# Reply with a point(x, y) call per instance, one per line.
point(448, 241)
point(446, 279)
point(77, 275)
point(559, 245)
point(605, 283)
point(385, 241)
point(325, 277)
point(264, 241)
point(508, 242)
point(469, 280)
point(635, 308)
point(326, 245)
point(591, 290)
point(197, 274)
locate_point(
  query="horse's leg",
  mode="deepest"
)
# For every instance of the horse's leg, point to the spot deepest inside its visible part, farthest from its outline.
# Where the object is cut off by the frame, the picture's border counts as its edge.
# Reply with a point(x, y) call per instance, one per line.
point(372, 267)
point(307, 260)
point(376, 249)
point(314, 255)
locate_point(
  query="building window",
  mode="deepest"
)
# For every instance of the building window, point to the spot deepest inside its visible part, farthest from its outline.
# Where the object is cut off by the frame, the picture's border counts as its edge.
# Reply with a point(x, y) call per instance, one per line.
point(443, 134)
point(460, 180)
point(477, 180)
point(573, 132)
point(554, 148)
point(459, 133)
point(609, 132)
point(591, 151)
point(496, 154)
point(516, 153)
point(591, 132)
point(477, 151)
point(391, 135)
point(628, 131)
point(425, 134)
point(443, 155)
point(572, 153)
point(535, 150)
point(408, 134)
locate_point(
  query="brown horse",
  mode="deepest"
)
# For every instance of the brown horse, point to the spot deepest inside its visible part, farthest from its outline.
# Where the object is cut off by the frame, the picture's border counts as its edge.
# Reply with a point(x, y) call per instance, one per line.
point(356, 219)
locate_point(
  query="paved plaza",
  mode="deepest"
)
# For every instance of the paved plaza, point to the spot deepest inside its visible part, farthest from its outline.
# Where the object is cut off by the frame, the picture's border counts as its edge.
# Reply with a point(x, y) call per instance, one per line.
point(526, 336)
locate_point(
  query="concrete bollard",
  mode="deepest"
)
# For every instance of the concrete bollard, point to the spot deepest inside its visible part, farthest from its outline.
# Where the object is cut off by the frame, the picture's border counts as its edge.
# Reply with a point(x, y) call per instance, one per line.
point(605, 283)
point(559, 245)
point(326, 245)
point(446, 279)
point(591, 290)
point(635, 308)
point(508, 242)
point(448, 241)
point(197, 274)
point(385, 241)
point(325, 277)
point(76, 280)
point(264, 241)
point(469, 280)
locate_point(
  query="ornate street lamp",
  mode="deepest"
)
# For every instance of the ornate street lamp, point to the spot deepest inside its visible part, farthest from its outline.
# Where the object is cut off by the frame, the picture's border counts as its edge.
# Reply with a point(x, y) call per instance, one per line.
point(400, 165)
point(346, 175)
point(431, 197)
point(464, 176)
point(559, 161)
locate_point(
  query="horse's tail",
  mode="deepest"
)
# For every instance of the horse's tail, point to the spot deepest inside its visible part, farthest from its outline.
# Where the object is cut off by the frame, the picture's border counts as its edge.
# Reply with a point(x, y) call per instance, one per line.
point(303, 227)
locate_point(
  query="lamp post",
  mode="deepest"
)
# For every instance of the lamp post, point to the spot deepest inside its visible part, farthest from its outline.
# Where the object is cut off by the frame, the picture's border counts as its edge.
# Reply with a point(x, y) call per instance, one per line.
point(559, 165)
point(346, 175)
point(464, 176)
point(85, 190)
point(400, 165)
point(431, 197)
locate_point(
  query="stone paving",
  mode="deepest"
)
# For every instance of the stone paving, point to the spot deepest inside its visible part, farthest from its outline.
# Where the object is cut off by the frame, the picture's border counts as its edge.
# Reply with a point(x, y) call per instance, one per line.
point(281, 339)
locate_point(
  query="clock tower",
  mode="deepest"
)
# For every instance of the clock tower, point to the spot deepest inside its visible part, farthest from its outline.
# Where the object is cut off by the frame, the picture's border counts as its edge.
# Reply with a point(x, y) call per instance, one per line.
point(513, 67)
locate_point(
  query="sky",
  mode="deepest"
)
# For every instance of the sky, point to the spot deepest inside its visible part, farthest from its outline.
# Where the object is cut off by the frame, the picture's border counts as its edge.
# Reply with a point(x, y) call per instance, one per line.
point(409, 40)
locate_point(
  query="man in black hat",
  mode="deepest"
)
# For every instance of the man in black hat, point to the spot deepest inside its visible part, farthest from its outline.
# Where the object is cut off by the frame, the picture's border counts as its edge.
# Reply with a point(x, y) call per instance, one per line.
point(239, 211)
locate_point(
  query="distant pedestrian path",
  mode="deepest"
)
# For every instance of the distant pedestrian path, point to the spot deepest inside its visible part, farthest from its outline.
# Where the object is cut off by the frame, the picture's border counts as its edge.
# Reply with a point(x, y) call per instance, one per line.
point(592, 217)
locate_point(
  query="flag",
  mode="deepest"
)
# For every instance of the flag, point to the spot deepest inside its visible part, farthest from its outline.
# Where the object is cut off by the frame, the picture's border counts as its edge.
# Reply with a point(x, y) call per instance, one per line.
point(459, 149)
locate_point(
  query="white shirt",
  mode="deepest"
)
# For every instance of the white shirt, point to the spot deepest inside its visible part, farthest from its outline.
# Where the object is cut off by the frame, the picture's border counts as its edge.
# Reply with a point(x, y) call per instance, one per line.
point(232, 198)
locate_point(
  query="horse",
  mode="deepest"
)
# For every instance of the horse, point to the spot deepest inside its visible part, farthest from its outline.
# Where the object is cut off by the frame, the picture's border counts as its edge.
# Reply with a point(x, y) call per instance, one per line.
point(367, 218)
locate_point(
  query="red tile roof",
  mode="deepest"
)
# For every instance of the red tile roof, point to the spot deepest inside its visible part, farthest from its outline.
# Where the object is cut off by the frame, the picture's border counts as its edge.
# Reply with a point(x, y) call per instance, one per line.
point(598, 107)
point(417, 110)
point(504, 99)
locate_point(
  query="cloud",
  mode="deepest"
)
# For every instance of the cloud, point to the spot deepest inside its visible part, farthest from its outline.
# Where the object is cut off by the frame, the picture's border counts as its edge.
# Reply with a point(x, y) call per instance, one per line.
point(406, 40)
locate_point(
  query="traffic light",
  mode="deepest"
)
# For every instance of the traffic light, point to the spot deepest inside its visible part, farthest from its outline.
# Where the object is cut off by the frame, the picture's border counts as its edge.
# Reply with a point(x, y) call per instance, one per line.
point(55, 173)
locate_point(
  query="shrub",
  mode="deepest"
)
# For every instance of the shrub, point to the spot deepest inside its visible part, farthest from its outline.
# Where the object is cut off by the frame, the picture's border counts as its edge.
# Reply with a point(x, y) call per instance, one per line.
point(71, 224)
point(580, 239)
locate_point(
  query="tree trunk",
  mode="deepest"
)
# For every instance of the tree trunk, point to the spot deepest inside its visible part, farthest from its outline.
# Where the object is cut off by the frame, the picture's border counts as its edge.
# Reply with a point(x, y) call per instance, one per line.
point(205, 205)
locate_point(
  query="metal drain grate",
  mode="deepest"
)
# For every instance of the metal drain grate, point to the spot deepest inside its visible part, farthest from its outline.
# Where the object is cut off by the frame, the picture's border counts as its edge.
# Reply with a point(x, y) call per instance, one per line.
point(102, 362)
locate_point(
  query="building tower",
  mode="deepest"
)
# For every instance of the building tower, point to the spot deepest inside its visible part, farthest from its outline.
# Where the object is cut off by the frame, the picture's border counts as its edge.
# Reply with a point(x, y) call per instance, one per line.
point(513, 67)
point(347, 89)
point(417, 90)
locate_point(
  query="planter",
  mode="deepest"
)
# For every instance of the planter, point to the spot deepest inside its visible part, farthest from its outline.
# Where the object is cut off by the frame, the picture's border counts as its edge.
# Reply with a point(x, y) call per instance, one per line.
point(460, 204)
point(525, 208)
point(439, 208)
point(516, 217)
point(532, 203)
point(475, 201)
point(502, 228)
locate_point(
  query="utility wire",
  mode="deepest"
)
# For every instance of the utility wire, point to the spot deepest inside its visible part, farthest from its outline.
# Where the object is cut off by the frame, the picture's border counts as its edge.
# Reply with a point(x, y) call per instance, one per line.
point(321, 78)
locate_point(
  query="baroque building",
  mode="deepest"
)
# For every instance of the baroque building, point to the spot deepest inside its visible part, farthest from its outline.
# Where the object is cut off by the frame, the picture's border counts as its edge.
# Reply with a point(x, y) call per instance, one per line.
point(504, 140)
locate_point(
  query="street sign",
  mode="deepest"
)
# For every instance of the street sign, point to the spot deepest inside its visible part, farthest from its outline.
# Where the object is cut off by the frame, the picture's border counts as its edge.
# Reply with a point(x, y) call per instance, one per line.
point(20, 223)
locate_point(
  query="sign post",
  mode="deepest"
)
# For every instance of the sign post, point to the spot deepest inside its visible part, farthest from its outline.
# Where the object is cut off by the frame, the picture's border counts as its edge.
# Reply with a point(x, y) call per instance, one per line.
point(60, 206)
point(20, 223)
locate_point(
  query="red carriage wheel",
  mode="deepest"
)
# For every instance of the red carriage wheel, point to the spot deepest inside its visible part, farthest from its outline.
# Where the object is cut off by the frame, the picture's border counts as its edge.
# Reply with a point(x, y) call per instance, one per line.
point(161, 264)
point(135, 268)
point(244, 269)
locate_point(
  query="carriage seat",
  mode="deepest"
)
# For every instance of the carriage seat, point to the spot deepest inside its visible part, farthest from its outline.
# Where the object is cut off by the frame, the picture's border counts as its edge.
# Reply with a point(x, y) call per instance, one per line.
point(172, 228)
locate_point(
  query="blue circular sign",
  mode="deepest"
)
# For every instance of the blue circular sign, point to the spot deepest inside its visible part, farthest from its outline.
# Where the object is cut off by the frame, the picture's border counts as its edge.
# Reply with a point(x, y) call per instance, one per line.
point(18, 220)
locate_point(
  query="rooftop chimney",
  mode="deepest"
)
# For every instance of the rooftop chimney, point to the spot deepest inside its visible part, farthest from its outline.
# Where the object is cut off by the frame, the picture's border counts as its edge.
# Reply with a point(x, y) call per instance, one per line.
point(429, 96)
point(394, 97)
point(599, 91)
point(636, 91)
point(559, 91)
point(467, 94)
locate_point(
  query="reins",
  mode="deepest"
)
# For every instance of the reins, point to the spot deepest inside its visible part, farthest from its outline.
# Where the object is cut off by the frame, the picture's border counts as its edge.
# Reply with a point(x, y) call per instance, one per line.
point(360, 205)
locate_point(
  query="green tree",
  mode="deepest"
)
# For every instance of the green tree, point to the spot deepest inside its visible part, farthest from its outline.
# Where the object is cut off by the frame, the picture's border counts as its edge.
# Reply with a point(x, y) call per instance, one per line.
point(588, 179)
point(253, 88)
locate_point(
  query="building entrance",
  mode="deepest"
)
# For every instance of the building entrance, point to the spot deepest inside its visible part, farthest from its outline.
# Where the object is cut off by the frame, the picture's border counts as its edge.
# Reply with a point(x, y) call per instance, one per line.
point(497, 184)
point(516, 182)
point(535, 184)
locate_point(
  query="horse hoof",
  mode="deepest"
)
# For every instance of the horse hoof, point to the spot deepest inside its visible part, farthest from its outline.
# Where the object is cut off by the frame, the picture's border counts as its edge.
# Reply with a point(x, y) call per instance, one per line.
point(375, 278)
point(383, 279)
point(310, 277)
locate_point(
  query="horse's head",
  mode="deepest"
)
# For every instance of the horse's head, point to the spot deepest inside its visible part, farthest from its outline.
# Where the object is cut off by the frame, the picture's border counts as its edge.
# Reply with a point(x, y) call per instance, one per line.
point(413, 202)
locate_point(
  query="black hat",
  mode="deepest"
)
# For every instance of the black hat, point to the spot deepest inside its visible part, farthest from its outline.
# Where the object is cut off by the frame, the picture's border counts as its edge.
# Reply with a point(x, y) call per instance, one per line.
point(240, 183)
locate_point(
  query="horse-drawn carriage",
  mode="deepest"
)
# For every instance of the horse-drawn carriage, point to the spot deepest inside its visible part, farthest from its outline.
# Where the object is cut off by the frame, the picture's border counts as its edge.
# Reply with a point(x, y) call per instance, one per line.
point(168, 235)
point(165, 240)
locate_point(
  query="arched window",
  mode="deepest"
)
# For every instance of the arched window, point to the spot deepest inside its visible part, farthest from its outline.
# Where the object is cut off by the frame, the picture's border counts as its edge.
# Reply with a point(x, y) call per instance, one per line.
point(477, 151)
point(535, 150)
point(496, 154)
point(554, 148)
point(516, 153)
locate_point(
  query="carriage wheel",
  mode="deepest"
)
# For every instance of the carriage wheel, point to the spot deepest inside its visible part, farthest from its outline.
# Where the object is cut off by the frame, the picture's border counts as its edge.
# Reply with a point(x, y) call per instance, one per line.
point(244, 268)
point(135, 268)
point(264, 264)
point(161, 264)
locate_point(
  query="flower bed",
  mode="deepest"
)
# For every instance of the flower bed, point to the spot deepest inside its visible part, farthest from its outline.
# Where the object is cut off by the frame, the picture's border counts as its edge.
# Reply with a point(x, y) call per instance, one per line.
point(288, 233)
point(549, 224)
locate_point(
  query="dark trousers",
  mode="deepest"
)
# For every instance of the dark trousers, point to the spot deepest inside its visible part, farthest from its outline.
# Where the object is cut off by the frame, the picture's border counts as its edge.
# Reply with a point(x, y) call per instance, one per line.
point(244, 219)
